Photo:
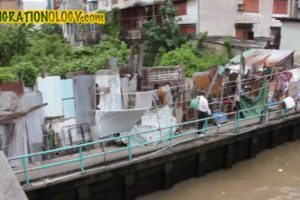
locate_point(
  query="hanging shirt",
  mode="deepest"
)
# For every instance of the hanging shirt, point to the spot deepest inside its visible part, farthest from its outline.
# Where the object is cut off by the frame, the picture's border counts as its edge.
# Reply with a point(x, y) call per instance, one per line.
point(203, 105)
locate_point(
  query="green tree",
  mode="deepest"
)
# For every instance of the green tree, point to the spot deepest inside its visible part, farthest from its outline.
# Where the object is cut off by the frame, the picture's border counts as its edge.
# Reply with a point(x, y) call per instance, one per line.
point(164, 37)
point(13, 41)
point(227, 43)
point(193, 63)
point(112, 27)
point(200, 43)
point(27, 73)
point(50, 29)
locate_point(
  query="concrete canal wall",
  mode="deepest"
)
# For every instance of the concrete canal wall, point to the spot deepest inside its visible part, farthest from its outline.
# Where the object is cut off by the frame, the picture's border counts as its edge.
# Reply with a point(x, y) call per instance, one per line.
point(163, 170)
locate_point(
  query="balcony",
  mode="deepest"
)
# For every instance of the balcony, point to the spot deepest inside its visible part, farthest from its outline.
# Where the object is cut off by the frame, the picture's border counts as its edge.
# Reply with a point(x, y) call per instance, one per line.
point(88, 34)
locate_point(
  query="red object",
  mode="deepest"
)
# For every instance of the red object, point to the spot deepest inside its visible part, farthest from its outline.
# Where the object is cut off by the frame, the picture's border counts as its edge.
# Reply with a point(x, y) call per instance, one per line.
point(251, 6)
point(280, 6)
point(188, 29)
point(16, 87)
point(181, 7)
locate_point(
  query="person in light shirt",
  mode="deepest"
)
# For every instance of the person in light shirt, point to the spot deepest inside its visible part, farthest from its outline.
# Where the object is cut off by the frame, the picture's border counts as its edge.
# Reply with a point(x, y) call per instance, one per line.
point(204, 110)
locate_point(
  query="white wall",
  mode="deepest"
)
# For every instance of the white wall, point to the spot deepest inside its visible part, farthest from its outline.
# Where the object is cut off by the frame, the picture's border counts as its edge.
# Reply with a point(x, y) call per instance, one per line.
point(290, 33)
point(217, 16)
point(192, 12)
point(35, 4)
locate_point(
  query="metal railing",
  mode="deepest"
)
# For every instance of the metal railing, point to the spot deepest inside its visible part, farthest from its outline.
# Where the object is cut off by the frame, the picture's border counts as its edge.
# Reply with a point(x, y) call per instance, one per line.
point(81, 158)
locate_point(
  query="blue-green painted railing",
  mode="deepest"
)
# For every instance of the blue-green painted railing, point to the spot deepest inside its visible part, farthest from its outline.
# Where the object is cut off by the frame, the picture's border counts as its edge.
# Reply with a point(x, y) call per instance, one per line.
point(129, 147)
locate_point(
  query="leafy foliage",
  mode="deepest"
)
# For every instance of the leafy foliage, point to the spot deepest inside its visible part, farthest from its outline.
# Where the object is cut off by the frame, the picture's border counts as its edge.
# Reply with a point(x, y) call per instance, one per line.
point(7, 74)
point(186, 55)
point(112, 27)
point(228, 46)
point(200, 43)
point(13, 41)
point(27, 73)
point(46, 51)
point(51, 29)
point(164, 37)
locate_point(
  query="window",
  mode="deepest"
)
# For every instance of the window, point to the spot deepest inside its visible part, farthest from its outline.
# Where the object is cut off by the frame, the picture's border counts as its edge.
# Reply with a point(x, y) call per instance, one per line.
point(244, 31)
point(181, 8)
point(93, 6)
point(188, 29)
point(251, 6)
point(113, 2)
point(275, 31)
point(280, 6)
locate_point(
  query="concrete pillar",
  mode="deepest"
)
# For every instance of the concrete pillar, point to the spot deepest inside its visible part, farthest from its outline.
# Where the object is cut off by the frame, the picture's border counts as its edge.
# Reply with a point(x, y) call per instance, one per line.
point(253, 147)
point(201, 157)
point(167, 172)
point(295, 132)
point(272, 140)
point(229, 156)
point(129, 187)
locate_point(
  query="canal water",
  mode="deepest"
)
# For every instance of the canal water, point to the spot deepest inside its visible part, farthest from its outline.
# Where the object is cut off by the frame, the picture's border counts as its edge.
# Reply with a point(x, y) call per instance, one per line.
point(273, 175)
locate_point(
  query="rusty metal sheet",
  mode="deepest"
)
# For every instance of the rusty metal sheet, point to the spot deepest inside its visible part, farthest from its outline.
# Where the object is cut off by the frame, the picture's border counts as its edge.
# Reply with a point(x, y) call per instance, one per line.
point(16, 87)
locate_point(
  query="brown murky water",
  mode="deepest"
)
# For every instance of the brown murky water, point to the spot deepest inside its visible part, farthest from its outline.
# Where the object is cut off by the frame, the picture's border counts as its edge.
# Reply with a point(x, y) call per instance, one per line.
point(273, 175)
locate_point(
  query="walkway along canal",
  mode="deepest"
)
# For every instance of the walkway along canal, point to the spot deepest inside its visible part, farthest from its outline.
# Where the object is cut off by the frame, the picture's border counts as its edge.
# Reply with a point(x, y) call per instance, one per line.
point(107, 175)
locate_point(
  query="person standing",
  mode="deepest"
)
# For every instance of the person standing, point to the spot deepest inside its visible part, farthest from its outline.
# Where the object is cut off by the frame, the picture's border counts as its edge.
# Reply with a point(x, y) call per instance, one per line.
point(203, 110)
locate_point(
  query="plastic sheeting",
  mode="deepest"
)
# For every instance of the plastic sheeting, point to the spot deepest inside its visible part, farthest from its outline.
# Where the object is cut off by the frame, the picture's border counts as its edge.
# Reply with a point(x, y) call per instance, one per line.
point(258, 103)
point(144, 99)
point(111, 122)
point(113, 99)
point(152, 121)
point(50, 87)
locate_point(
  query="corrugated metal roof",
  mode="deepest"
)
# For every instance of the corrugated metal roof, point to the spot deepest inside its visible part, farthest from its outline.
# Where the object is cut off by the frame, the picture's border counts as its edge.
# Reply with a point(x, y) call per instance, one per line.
point(263, 56)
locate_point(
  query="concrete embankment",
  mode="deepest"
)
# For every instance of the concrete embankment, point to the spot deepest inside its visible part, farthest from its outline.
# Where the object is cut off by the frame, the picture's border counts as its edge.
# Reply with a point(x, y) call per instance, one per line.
point(170, 166)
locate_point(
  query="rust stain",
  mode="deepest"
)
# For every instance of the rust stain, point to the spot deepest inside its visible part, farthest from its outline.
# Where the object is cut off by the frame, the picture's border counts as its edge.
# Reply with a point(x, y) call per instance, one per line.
point(16, 87)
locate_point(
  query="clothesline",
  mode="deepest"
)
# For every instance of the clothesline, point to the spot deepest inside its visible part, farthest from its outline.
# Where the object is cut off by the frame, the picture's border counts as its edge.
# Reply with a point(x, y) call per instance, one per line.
point(264, 75)
point(140, 92)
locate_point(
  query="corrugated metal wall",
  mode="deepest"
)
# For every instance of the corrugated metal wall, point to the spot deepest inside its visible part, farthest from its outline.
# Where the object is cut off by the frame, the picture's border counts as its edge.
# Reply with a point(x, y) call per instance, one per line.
point(34, 122)
point(83, 93)
point(67, 91)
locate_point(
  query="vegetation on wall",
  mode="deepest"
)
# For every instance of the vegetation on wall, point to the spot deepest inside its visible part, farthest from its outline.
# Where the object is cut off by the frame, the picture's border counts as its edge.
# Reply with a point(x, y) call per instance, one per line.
point(185, 55)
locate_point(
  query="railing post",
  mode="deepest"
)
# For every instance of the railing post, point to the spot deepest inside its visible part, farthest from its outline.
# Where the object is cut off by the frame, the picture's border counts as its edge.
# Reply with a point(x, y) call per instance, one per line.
point(25, 173)
point(264, 116)
point(171, 136)
point(81, 159)
point(129, 148)
point(237, 121)
point(205, 128)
